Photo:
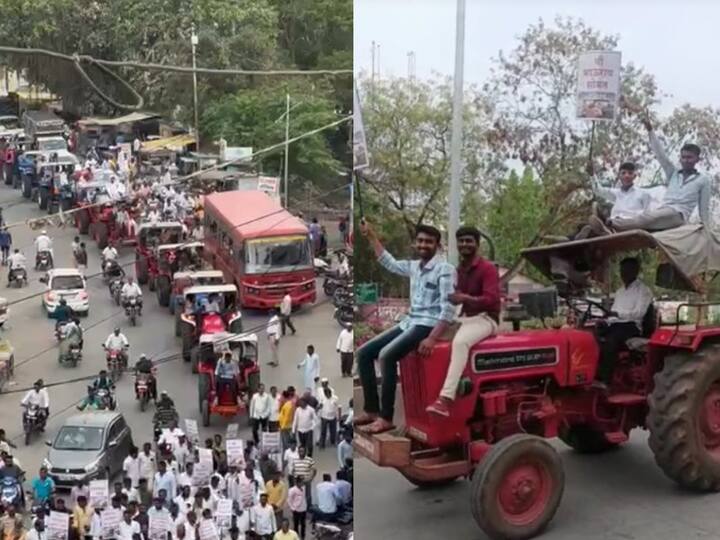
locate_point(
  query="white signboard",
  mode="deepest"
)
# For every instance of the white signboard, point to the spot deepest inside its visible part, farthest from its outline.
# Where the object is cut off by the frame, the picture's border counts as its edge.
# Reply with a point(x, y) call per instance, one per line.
point(57, 526)
point(223, 513)
point(232, 431)
point(205, 456)
point(235, 452)
point(158, 526)
point(207, 530)
point(203, 468)
point(361, 159)
point(99, 493)
point(110, 521)
point(271, 441)
point(191, 430)
point(598, 85)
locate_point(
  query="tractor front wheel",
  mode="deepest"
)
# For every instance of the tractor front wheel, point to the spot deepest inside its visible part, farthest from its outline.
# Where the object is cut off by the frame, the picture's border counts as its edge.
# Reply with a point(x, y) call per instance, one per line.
point(584, 439)
point(517, 487)
point(684, 418)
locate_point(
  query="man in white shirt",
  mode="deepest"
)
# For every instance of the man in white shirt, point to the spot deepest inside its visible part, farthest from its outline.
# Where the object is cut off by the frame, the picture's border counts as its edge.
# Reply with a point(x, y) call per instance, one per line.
point(273, 421)
point(304, 424)
point(38, 531)
point(329, 414)
point(273, 335)
point(260, 409)
point(17, 260)
point(285, 313)
point(185, 500)
point(132, 290)
point(43, 243)
point(131, 467)
point(165, 479)
point(630, 305)
point(110, 253)
point(345, 346)
point(628, 200)
point(38, 396)
point(263, 518)
point(129, 529)
point(147, 464)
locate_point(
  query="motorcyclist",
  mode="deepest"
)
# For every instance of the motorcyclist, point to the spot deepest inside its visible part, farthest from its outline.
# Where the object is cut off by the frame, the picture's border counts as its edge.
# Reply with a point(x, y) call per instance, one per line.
point(91, 400)
point(165, 413)
point(38, 396)
point(62, 314)
point(132, 290)
point(16, 261)
point(109, 258)
point(71, 334)
point(117, 342)
point(43, 243)
point(103, 381)
point(144, 366)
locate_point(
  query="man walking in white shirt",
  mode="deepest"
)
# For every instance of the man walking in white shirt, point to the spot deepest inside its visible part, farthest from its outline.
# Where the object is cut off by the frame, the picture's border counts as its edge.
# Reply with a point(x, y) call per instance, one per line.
point(260, 408)
point(131, 467)
point(263, 519)
point(285, 313)
point(630, 305)
point(345, 347)
point(273, 335)
point(329, 413)
point(304, 424)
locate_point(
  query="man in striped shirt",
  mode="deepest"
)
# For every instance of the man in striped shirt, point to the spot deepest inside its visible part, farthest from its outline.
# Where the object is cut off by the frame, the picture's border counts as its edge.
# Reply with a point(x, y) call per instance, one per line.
point(432, 282)
point(304, 467)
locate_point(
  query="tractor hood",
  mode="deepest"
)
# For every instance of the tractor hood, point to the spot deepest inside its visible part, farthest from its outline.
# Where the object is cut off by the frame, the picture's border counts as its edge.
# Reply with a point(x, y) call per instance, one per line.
point(212, 323)
point(687, 252)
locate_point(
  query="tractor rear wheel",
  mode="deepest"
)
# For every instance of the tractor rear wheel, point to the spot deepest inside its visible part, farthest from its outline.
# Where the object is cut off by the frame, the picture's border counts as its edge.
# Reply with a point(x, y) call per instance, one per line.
point(27, 187)
point(163, 291)
point(517, 487)
point(684, 418)
point(42, 199)
point(101, 234)
point(178, 324)
point(188, 341)
point(195, 358)
point(204, 398)
point(141, 269)
point(83, 221)
point(584, 439)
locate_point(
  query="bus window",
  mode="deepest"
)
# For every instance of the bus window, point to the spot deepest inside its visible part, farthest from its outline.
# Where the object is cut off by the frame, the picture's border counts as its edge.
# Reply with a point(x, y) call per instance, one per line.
point(280, 254)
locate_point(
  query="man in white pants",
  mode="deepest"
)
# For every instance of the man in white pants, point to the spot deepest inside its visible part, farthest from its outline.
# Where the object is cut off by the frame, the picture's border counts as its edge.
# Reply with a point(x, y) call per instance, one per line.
point(478, 292)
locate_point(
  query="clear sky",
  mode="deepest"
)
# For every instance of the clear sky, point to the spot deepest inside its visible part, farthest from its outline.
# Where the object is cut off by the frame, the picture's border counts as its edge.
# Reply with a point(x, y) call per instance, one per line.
point(675, 40)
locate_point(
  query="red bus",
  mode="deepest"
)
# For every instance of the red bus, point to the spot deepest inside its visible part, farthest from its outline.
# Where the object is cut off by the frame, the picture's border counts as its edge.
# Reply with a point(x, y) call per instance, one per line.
point(259, 246)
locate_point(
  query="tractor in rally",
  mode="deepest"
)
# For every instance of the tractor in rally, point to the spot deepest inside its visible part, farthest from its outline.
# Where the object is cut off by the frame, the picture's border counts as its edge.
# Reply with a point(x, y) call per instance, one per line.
point(172, 258)
point(90, 198)
point(521, 388)
point(113, 224)
point(227, 400)
point(187, 278)
point(149, 237)
point(207, 309)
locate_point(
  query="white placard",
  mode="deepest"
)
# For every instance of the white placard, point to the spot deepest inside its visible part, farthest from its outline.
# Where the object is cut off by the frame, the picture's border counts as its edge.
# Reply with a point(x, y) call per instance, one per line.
point(361, 159)
point(277, 458)
point(110, 522)
point(232, 431)
point(158, 526)
point(271, 441)
point(191, 430)
point(598, 85)
point(207, 530)
point(235, 452)
point(99, 493)
point(223, 513)
point(205, 456)
point(58, 524)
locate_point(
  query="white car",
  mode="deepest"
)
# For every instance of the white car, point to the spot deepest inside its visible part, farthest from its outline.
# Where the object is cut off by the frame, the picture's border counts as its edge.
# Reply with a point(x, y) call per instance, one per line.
point(67, 283)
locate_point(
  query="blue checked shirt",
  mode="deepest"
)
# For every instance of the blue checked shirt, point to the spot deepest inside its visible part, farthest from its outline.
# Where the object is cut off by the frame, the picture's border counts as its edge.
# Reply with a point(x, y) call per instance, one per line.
point(430, 287)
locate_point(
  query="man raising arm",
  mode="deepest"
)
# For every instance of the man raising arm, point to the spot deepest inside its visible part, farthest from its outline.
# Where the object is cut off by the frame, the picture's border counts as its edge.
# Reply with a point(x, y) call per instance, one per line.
point(431, 284)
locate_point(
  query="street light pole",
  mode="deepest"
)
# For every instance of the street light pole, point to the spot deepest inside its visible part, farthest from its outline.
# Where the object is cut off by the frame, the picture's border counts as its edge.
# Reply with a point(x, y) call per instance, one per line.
point(456, 143)
point(287, 146)
point(194, 42)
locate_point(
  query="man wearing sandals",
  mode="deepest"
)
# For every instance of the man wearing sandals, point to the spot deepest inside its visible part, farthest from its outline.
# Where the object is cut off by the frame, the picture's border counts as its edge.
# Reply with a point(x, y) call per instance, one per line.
point(432, 282)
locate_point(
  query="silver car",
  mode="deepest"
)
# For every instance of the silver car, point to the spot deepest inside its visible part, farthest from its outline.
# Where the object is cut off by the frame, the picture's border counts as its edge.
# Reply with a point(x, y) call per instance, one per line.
point(88, 446)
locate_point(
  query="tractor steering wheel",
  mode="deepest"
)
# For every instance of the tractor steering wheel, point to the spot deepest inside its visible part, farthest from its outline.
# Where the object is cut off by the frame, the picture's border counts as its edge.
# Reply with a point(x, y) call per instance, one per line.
point(585, 313)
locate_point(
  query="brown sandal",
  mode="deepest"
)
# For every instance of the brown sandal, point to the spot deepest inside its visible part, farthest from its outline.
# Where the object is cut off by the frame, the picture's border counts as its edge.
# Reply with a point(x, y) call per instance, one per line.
point(378, 426)
point(364, 419)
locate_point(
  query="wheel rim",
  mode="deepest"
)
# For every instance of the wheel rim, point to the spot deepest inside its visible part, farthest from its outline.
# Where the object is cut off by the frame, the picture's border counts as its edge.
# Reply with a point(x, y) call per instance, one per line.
point(710, 421)
point(524, 492)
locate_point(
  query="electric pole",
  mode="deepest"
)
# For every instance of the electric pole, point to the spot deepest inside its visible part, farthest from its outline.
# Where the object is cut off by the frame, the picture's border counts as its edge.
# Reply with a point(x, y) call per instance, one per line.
point(456, 142)
point(194, 42)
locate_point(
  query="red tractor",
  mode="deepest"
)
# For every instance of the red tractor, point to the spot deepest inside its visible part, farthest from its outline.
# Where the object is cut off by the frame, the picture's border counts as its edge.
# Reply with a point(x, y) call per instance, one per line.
point(170, 259)
point(149, 237)
point(227, 400)
point(186, 279)
point(521, 388)
point(205, 310)
point(89, 203)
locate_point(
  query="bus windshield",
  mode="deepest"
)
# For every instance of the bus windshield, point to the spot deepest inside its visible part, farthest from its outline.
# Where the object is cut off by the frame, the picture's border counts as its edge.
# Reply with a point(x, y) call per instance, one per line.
point(280, 254)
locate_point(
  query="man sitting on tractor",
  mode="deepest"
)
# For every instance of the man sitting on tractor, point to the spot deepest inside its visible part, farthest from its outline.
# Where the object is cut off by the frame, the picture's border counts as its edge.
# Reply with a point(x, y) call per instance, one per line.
point(431, 312)
point(478, 292)
point(226, 373)
point(629, 307)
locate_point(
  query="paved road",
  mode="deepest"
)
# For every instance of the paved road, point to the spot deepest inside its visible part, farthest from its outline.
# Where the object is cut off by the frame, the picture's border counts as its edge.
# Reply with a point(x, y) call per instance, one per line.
point(30, 332)
point(620, 495)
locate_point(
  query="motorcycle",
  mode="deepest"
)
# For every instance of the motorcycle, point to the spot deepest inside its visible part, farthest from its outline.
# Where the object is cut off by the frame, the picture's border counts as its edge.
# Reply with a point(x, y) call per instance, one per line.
point(33, 420)
point(112, 270)
point(18, 277)
point(132, 310)
point(332, 282)
point(10, 492)
point(116, 363)
point(115, 288)
point(345, 314)
point(142, 386)
point(72, 356)
point(343, 296)
point(43, 261)
point(106, 399)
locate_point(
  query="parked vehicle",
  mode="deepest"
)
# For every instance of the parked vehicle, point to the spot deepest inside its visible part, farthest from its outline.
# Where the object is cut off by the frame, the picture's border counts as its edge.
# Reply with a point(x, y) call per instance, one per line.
point(88, 446)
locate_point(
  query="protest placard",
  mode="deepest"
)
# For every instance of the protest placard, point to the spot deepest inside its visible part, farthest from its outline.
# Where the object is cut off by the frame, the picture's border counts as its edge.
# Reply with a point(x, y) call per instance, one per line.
point(201, 474)
point(277, 458)
point(159, 526)
point(361, 158)
point(270, 441)
point(232, 431)
point(223, 513)
point(205, 456)
point(598, 85)
point(191, 430)
point(57, 526)
point(235, 452)
point(99, 493)
point(208, 530)
point(110, 522)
